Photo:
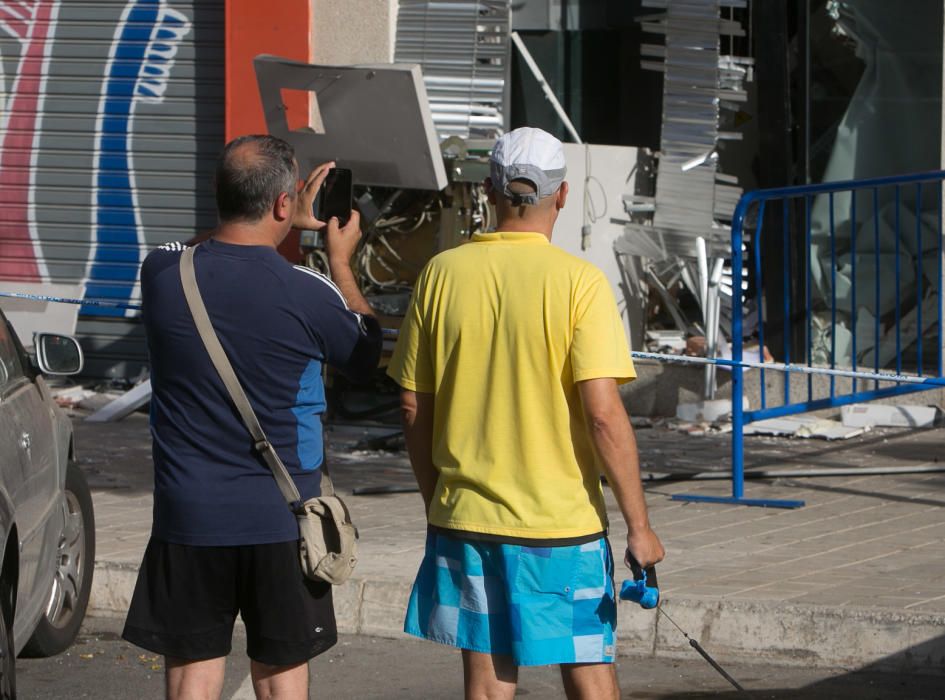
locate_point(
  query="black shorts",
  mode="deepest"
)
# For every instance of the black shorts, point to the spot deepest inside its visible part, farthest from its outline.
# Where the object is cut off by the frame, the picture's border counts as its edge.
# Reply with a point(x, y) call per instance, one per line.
point(187, 598)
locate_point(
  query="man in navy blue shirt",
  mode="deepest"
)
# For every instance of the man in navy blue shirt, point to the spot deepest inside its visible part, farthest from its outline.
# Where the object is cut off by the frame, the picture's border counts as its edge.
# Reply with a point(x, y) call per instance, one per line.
point(224, 540)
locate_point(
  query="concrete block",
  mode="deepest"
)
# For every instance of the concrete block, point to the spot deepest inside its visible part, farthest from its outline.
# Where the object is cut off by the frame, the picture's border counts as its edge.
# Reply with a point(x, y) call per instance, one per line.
point(383, 603)
point(819, 636)
point(112, 587)
point(347, 602)
point(659, 387)
point(905, 416)
point(636, 629)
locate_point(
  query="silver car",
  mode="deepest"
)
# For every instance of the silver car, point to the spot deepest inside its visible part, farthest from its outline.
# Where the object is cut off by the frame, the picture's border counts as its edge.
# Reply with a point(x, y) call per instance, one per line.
point(47, 528)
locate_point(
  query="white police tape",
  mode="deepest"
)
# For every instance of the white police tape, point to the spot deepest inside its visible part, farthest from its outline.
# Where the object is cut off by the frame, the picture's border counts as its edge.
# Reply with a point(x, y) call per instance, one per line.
point(637, 355)
point(802, 369)
point(774, 366)
point(64, 300)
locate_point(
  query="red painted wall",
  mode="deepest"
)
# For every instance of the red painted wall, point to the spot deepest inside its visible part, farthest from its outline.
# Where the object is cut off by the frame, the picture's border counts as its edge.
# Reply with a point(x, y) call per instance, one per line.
point(278, 27)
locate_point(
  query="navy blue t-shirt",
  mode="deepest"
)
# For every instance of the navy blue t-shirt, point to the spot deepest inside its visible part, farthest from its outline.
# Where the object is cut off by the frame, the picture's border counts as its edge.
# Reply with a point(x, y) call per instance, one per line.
point(278, 324)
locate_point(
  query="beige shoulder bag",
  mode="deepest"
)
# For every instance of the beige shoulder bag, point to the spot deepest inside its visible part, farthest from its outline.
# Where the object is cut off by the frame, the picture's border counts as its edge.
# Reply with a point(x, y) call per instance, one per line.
point(328, 546)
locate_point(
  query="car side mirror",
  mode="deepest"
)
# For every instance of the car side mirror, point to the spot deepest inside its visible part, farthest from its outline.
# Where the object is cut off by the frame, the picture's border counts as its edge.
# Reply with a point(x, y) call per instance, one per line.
point(57, 354)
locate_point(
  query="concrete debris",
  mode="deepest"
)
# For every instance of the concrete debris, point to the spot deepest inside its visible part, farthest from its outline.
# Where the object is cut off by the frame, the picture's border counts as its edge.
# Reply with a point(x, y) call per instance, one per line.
point(804, 427)
point(672, 340)
point(694, 428)
point(708, 411)
point(869, 415)
point(749, 354)
point(71, 396)
point(124, 405)
point(97, 400)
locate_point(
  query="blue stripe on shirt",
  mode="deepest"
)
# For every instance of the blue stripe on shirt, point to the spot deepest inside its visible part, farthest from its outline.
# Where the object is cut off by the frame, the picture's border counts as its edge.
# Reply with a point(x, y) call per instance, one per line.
point(309, 405)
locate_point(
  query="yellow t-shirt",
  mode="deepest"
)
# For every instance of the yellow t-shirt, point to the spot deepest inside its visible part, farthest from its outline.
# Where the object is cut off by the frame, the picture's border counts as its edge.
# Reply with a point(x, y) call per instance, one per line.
point(500, 330)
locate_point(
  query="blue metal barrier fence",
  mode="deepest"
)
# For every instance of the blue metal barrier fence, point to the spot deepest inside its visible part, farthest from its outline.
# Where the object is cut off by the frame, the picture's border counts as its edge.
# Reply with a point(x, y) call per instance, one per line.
point(860, 288)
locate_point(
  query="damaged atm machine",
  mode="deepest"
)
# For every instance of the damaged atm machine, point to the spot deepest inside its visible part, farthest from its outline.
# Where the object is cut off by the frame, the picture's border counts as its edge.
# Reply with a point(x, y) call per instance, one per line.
point(416, 134)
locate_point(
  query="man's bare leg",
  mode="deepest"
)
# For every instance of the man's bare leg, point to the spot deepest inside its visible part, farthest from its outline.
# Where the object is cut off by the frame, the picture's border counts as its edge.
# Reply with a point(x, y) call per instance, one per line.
point(280, 682)
point(193, 680)
point(590, 681)
point(489, 676)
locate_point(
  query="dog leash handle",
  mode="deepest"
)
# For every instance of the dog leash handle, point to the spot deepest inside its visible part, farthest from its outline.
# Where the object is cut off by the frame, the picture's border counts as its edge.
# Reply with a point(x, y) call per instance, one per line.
point(644, 588)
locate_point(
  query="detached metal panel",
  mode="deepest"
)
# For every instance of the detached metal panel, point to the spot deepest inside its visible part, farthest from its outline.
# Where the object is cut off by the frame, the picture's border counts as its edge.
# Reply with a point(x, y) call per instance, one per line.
point(113, 113)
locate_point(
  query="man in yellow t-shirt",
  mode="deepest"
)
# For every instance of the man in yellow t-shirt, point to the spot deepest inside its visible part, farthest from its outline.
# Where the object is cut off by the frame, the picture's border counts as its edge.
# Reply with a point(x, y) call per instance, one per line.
point(509, 360)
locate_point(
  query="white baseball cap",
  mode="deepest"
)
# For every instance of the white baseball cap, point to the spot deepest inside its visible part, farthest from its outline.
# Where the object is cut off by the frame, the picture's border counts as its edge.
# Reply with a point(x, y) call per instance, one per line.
point(527, 154)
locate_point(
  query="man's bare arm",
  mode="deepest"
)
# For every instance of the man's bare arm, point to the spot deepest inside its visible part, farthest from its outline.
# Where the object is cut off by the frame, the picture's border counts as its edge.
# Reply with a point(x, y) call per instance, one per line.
point(416, 411)
point(340, 241)
point(616, 446)
point(340, 244)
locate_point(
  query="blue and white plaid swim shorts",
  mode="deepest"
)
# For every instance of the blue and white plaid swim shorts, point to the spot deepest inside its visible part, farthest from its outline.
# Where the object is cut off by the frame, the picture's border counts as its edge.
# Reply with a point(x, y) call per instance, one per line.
point(539, 605)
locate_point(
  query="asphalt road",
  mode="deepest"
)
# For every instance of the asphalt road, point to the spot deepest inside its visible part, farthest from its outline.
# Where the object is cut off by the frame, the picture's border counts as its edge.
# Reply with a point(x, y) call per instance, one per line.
point(100, 665)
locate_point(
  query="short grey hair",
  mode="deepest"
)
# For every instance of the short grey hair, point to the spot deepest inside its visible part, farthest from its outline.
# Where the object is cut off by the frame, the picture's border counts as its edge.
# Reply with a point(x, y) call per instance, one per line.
point(248, 183)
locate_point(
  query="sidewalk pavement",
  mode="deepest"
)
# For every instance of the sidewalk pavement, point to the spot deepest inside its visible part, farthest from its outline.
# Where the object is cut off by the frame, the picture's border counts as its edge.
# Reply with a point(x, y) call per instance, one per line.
point(854, 578)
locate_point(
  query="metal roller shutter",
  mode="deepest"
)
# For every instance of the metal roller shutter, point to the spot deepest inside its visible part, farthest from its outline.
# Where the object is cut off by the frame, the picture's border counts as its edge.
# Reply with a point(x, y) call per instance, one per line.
point(113, 113)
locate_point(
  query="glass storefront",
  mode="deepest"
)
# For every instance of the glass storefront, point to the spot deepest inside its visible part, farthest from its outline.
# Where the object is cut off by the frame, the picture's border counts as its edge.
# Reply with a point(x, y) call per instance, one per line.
point(873, 92)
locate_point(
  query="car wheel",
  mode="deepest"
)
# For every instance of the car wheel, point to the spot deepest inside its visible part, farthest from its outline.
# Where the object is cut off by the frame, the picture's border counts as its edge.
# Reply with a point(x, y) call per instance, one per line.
point(69, 593)
point(7, 656)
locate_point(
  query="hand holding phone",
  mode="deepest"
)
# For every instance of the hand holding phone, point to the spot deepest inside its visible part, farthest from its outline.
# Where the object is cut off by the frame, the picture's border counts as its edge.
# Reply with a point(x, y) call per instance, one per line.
point(341, 242)
point(335, 197)
point(303, 219)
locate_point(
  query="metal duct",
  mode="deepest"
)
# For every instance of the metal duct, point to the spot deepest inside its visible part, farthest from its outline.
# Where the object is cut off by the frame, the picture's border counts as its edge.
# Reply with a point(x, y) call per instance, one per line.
point(462, 47)
point(692, 198)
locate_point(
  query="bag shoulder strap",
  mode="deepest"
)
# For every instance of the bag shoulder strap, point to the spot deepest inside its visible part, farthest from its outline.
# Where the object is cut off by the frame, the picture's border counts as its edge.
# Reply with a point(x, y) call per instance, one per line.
point(222, 364)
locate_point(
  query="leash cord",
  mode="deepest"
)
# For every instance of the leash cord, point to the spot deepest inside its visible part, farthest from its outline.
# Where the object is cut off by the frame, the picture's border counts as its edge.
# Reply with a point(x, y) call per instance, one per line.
point(702, 652)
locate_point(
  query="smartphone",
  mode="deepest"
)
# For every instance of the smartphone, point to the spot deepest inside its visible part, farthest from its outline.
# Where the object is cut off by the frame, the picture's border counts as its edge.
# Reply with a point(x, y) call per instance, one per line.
point(335, 196)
